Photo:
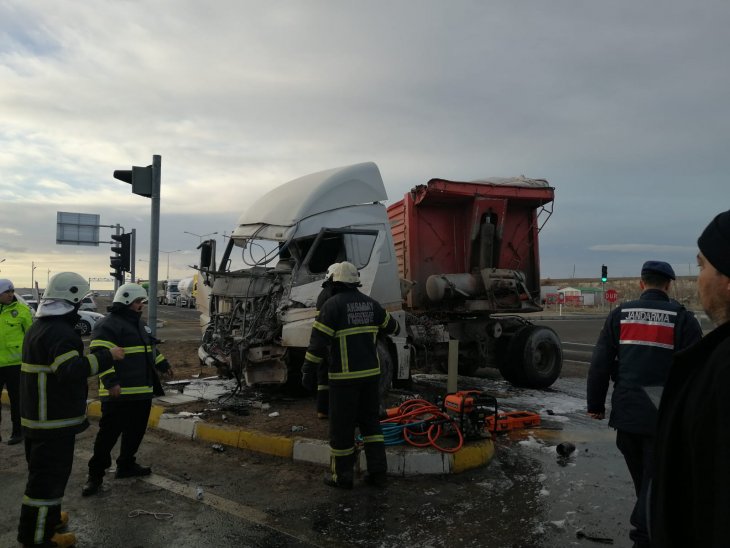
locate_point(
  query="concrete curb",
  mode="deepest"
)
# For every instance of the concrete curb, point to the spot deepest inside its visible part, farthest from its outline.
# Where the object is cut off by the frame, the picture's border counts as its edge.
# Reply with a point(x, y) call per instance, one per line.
point(402, 460)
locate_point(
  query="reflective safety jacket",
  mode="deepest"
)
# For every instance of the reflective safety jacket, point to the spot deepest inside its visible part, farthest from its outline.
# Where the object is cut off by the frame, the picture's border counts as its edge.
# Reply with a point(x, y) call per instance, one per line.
point(635, 348)
point(15, 320)
point(346, 332)
point(53, 378)
point(135, 374)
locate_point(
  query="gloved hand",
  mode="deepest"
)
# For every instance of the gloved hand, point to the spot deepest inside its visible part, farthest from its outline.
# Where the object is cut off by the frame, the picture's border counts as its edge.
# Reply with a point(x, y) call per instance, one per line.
point(309, 376)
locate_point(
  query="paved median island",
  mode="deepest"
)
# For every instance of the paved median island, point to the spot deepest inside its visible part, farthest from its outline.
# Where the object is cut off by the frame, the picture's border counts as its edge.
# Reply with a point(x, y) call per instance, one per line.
point(403, 460)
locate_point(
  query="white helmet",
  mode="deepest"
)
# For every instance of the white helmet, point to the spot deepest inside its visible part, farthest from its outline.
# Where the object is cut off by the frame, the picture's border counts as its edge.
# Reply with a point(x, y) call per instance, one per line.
point(331, 270)
point(346, 273)
point(128, 293)
point(68, 286)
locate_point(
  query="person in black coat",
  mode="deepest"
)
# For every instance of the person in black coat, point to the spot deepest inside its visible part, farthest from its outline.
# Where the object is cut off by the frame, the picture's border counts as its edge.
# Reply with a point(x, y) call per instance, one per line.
point(126, 390)
point(346, 333)
point(690, 494)
point(635, 349)
point(53, 393)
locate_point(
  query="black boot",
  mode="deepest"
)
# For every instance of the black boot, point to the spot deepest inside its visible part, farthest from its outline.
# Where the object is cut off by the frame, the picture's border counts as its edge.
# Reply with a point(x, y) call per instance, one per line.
point(133, 471)
point(92, 486)
point(339, 483)
point(15, 438)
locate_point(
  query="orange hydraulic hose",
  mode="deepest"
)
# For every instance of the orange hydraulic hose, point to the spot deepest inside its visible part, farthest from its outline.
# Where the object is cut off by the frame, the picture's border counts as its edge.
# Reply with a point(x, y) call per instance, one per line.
point(426, 420)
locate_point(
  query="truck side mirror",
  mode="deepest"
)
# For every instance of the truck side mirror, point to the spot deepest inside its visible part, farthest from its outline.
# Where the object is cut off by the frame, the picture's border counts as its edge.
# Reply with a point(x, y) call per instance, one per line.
point(207, 255)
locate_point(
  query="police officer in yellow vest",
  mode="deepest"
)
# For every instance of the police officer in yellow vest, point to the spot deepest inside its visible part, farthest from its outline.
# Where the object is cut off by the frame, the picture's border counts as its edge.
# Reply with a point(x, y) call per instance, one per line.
point(126, 390)
point(15, 319)
point(53, 392)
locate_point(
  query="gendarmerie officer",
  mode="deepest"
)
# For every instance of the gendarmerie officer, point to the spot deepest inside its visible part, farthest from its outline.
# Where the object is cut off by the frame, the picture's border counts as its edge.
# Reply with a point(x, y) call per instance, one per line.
point(635, 349)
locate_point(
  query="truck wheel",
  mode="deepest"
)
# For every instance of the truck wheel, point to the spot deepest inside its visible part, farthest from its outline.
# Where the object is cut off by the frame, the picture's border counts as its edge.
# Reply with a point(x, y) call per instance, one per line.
point(534, 358)
point(509, 358)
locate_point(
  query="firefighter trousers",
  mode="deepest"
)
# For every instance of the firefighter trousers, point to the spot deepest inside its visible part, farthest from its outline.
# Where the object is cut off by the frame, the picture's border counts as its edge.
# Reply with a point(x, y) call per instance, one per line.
point(323, 388)
point(49, 467)
point(355, 404)
point(125, 418)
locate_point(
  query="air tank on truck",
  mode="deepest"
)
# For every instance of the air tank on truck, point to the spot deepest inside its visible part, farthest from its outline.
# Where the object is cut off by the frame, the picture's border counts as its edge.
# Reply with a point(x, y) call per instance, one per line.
point(451, 260)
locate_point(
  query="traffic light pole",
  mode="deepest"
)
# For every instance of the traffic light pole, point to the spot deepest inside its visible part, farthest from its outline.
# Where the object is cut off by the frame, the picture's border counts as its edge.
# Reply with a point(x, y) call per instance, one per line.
point(133, 255)
point(154, 242)
point(145, 182)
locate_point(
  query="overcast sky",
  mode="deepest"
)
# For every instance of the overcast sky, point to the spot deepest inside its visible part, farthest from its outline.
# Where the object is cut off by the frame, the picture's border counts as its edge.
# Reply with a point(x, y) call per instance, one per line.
point(623, 106)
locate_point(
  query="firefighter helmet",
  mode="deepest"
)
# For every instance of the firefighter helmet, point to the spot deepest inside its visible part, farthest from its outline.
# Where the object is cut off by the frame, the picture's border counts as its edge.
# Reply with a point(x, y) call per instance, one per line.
point(331, 270)
point(68, 286)
point(346, 273)
point(128, 293)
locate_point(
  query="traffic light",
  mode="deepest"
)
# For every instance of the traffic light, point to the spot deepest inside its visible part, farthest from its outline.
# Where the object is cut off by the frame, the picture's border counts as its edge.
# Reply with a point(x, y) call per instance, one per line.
point(123, 251)
point(604, 273)
point(117, 273)
point(139, 177)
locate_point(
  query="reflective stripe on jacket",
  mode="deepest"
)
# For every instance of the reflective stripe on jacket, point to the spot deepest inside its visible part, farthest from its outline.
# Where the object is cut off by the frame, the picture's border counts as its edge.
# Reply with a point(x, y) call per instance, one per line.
point(635, 348)
point(346, 332)
point(53, 378)
point(15, 320)
point(134, 374)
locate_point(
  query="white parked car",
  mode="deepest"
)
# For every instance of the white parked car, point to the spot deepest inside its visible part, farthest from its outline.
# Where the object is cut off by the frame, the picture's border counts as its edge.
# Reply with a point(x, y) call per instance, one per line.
point(87, 319)
point(88, 303)
point(87, 322)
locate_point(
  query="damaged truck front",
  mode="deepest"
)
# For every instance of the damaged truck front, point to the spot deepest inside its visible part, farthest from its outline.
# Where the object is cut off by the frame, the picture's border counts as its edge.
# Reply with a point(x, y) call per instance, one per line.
point(451, 261)
point(258, 318)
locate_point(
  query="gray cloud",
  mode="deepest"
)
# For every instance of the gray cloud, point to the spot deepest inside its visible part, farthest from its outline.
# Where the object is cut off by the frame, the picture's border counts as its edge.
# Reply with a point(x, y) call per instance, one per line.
point(622, 106)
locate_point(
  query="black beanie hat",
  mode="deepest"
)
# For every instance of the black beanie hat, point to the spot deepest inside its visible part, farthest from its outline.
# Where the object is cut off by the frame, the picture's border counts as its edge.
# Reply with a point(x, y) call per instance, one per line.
point(714, 243)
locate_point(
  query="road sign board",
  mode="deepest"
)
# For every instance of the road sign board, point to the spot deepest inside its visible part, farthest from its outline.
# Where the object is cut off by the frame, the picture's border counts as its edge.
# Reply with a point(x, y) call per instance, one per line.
point(611, 295)
point(561, 298)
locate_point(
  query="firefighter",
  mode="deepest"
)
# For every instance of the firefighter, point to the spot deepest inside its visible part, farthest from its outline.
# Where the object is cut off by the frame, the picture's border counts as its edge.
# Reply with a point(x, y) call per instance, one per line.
point(53, 391)
point(346, 333)
point(323, 386)
point(125, 391)
point(15, 319)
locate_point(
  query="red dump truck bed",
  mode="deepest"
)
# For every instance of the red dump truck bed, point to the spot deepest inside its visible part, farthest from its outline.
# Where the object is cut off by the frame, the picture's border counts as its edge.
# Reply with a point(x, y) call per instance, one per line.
point(446, 227)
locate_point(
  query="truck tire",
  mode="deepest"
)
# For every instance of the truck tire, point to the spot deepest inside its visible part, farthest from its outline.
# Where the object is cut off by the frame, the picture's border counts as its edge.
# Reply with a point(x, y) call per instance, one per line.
point(534, 358)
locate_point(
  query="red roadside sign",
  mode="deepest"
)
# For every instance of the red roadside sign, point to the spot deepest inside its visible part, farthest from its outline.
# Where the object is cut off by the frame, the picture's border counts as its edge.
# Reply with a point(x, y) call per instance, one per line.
point(561, 298)
point(611, 295)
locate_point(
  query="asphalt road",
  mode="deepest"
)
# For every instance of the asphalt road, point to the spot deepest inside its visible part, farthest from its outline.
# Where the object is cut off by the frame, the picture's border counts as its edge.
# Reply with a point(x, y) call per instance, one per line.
point(528, 496)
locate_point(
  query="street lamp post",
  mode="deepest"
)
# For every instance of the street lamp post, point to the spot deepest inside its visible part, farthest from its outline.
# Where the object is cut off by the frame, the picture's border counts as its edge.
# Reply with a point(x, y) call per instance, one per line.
point(32, 275)
point(168, 260)
point(201, 236)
